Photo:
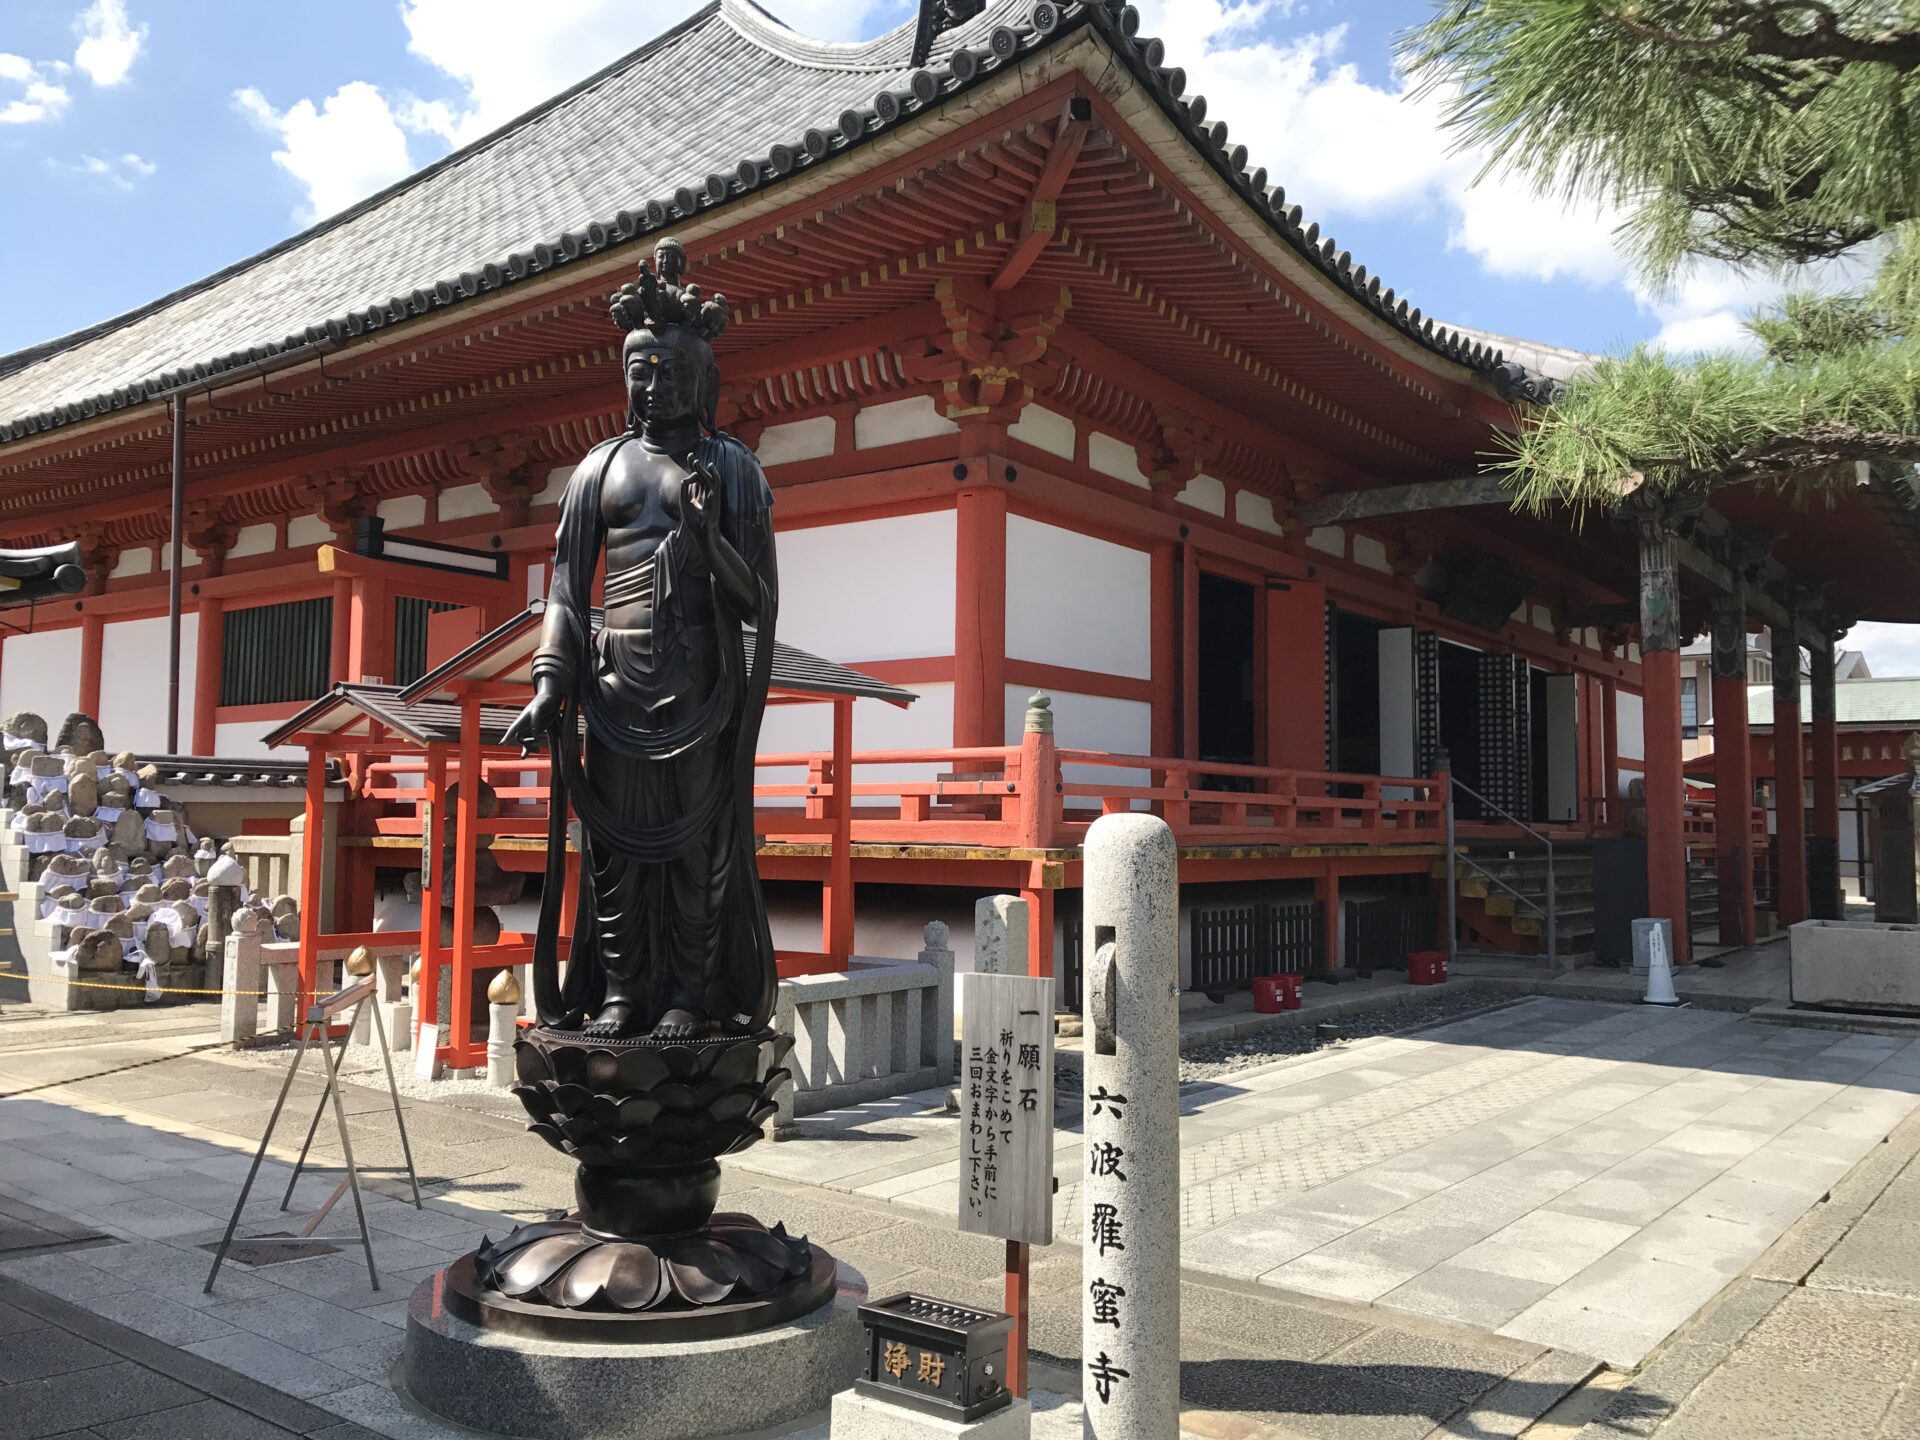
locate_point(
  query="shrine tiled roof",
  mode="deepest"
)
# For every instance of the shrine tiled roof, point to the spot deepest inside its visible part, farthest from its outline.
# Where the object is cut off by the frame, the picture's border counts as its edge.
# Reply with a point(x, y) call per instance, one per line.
point(726, 103)
point(1890, 702)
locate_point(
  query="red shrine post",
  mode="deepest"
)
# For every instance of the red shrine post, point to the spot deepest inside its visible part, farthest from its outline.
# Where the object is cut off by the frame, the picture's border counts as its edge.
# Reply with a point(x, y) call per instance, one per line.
point(1824, 897)
point(1732, 772)
point(1790, 776)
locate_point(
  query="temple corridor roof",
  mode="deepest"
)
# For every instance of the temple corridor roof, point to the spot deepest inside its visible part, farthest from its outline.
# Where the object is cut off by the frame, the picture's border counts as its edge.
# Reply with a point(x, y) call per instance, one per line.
point(724, 104)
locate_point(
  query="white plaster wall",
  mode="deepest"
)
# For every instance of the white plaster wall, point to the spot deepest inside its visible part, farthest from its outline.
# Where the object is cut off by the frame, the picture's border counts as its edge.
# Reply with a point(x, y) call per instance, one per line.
point(308, 530)
point(461, 502)
point(915, 418)
point(252, 540)
point(1256, 512)
point(403, 512)
point(41, 673)
point(1396, 709)
point(241, 738)
point(1328, 539)
point(1113, 456)
point(1542, 618)
point(133, 683)
point(1203, 492)
point(189, 557)
point(536, 582)
point(797, 440)
point(1078, 601)
point(1090, 722)
point(556, 485)
point(1630, 724)
point(1370, 553)
point(1044, 429)
point(871, 589)
point(927, 724)
point(132, 562)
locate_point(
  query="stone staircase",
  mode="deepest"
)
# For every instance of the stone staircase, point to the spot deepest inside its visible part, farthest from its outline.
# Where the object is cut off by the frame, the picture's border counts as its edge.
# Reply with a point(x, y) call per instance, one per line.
point(1502, 899)
point(1703, 896)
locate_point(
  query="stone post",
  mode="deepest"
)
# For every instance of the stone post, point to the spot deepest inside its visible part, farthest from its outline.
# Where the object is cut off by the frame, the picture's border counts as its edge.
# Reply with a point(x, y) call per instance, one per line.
point(784, 1123)
point(503, 1013)
point(1000, 935)
point(396, 1011)
point(938, 1019)
point(239, 986)
point(1130, 1307)
point(224, 880)
point(283, 994)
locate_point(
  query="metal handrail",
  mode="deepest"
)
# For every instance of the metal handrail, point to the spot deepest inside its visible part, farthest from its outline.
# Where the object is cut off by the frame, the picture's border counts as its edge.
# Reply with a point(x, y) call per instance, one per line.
point(1550, 913)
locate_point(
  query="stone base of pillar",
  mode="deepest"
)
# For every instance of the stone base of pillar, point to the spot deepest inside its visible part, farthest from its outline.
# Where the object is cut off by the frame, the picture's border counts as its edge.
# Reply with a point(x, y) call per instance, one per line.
point(861, 1417)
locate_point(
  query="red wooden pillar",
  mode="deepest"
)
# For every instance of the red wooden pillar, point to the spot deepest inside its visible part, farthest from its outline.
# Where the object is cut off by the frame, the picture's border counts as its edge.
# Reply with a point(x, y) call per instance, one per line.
point(210, 636)
point(1039, 930)
point(980, 618)
point(1824, 900)
point(466, 834)
point(1189, 653)
point(1164, 605)
point(313, 843)
point(836, 900)
point(1326, 890)
point(1610, 751)
point(1660, 681)
point(426, 999)
point(1732, 773)
point(93, 631)
point(340, 651)
point(1789, 777)
point(369, 630)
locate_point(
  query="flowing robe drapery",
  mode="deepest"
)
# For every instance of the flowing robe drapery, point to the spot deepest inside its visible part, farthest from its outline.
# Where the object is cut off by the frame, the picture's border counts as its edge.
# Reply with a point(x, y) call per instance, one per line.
point(668, 718)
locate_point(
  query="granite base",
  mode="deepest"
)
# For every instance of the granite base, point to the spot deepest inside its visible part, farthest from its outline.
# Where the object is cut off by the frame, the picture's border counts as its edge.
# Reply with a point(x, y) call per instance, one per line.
point(562, 1390)
point(861, 1417)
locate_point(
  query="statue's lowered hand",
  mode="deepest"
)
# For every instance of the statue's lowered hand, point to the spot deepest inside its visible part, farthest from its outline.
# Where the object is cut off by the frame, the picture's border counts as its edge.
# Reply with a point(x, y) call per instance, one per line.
point(533, 725)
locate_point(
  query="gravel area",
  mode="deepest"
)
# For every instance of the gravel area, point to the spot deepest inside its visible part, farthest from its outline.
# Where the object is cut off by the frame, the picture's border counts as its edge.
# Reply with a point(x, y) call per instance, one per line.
point(1262, 1047)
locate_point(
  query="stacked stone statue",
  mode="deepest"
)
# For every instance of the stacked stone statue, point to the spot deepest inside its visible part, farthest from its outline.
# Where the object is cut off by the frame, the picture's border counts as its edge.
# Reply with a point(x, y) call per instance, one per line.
point(655, 1057)
point(122, 877)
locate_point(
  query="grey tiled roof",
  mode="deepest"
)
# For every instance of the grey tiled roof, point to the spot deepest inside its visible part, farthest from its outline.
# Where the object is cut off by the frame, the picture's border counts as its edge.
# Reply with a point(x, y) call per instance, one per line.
point(1890, 701)
point(723, 104)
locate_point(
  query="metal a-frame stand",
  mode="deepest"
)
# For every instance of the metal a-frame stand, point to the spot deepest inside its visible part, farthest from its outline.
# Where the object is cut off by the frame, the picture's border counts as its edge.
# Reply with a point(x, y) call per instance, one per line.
point(357, 998)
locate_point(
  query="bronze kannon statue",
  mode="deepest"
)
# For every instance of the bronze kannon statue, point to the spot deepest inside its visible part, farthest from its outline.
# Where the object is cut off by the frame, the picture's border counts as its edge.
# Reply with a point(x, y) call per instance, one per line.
point(672, 938)
point(654, 1058)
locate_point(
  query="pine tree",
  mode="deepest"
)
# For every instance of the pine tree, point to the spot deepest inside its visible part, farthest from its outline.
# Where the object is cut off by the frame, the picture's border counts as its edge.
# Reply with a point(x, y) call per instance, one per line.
point(1756, 132)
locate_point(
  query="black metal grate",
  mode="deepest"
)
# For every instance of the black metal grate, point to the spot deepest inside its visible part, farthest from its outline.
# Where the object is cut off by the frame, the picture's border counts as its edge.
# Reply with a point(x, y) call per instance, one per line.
point(1070, 965)
point(410, 637)
point(1381, 932)
point(1426, 701)
point(273, 654)
point(1231, 946)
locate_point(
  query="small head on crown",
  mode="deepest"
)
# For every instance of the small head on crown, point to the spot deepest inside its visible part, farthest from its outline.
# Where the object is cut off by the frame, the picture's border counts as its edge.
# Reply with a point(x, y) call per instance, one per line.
point(668, 355)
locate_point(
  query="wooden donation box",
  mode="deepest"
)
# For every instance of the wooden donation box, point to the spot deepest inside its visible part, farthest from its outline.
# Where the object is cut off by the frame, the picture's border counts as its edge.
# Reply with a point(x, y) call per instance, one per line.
point(947, 1360)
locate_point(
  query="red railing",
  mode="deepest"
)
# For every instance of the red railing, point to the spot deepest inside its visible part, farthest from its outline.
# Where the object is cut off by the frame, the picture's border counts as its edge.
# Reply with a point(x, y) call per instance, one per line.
point(1700, 823)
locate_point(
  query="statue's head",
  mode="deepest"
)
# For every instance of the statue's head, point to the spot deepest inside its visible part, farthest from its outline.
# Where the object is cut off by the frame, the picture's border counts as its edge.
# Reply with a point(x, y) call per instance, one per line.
point(668, 356)
point(670, 375)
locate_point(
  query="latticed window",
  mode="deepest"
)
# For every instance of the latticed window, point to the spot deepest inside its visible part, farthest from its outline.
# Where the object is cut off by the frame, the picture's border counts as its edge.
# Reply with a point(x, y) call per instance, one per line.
point(275, 654)
point(1690, 707)
point(410, 636)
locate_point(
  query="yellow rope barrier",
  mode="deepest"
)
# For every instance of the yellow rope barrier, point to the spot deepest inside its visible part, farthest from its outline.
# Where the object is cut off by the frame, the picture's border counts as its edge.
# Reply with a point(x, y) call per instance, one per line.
point(104, 985)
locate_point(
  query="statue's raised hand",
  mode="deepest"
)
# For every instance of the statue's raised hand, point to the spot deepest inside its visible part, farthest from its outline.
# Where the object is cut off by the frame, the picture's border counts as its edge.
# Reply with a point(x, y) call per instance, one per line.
point(702, 494)
point(533, 726)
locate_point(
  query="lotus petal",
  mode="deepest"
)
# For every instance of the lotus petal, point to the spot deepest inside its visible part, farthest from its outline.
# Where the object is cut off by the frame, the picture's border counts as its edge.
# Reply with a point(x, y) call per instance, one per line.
point(760, 1113)
point(639, 1279)
point(579, 1128)
point(568, 1063)
point(674, 1096)
point(571, 1099)
point(679, 1060)
point(604, 1111)
point(757, 1273)
point(703, 1273)
point(587, 1277)
point(738, 1066)
point(735, 1105)
point(548, 1132)
point(705, 1093)
point(530, 1063)
point(603, 1069)
point(782, 1047)
point(636, 1111)
point(642, 1069)
point(679, 1129)
point(540, 1262)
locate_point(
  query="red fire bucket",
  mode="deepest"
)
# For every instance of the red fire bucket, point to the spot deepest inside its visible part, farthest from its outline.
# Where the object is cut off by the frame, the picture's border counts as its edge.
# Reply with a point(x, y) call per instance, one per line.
point(1426, 967)
point(1267, 994)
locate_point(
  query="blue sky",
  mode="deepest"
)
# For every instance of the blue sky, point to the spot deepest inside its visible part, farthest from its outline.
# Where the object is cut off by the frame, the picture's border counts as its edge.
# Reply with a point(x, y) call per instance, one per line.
point(144, 145)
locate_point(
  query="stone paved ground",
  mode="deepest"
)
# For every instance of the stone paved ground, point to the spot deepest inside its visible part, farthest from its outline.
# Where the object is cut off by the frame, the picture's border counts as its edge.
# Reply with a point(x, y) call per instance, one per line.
point(151, 1155)
point(1572, 1173)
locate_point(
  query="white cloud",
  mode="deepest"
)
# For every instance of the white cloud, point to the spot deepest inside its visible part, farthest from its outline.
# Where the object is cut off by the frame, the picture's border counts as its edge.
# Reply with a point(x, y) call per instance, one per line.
point(1890, 649)
point(108, 43)
point(342, 150)
point(41, 97)
point(120, 171)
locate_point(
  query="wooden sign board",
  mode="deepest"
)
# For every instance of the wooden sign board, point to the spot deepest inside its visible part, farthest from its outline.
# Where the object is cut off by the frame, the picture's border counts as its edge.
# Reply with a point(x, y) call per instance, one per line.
point(1006, 1107)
